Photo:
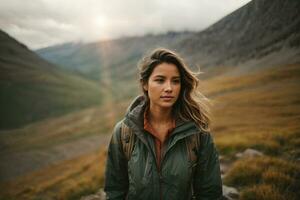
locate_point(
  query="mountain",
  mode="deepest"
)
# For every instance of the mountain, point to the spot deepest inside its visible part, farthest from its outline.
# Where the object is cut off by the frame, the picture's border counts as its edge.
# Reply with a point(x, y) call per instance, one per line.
point(32, 89)
point(261, 34)
point(119, 55)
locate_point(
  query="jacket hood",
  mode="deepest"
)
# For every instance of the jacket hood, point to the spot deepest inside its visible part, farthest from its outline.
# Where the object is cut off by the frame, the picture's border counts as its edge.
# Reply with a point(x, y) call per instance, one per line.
point(135, 111)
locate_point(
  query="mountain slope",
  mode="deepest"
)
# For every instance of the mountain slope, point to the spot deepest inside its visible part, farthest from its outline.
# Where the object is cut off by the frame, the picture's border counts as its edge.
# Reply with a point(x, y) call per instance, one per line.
point(112, 63)
point(32, 89)
point(120, 55)
point(256, 30)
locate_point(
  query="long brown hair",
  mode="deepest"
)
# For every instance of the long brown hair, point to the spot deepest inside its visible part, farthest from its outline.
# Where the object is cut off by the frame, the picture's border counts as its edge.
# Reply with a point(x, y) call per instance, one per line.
point(191, 103)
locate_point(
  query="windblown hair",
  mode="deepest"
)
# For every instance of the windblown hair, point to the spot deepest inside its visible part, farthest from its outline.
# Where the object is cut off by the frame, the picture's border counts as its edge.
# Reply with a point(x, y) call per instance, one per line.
point(191, 103)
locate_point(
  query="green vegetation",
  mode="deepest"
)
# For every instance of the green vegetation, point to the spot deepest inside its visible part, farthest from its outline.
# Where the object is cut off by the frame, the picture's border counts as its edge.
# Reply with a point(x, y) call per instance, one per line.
point(38, 95)
point(31, 89)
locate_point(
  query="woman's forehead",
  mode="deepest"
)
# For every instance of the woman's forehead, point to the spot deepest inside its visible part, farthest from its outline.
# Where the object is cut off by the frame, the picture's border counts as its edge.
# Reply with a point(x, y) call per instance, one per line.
point(166, 69)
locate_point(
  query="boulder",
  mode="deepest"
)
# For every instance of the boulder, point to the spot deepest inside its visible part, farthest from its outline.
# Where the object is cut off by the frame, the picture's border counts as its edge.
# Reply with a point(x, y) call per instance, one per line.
point(249, 153)
point(230, 193)
point(100, 195)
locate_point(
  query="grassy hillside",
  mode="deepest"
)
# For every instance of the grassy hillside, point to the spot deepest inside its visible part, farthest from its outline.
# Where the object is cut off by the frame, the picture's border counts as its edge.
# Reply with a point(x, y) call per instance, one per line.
point(56, 139)
point(258, 110)
point(69, 179)
point(32, 89)
point(57, 158)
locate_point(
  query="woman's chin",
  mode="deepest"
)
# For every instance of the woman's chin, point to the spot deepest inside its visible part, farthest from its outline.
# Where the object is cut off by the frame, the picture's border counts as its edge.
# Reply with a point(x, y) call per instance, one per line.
point(166, 104)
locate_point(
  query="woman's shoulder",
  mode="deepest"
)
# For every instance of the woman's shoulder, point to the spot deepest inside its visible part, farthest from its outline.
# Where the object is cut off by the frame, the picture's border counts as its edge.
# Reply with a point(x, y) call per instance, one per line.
point(118, 124)
point(116, 134)
point(206, 138)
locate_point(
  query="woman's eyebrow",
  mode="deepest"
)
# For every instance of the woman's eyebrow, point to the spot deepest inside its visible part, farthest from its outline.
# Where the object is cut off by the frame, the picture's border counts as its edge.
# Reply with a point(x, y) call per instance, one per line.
point(161, 76)
point(175, 77)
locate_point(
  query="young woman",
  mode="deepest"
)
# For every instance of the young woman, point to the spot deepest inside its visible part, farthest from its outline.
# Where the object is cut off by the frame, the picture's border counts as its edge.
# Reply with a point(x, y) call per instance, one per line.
point(164, 161)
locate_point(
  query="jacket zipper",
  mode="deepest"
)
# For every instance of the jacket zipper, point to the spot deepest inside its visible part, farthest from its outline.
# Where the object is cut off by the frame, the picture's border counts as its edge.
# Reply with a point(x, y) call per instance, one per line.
point(160, 188)
point(162, 156)
point(159, 169)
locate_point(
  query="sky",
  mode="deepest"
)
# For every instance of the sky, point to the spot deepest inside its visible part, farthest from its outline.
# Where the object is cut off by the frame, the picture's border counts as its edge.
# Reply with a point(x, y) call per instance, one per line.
point(42, 23)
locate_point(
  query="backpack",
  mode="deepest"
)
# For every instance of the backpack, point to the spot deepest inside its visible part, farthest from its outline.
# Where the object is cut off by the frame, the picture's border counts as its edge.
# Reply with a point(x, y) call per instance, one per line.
point(128, 139)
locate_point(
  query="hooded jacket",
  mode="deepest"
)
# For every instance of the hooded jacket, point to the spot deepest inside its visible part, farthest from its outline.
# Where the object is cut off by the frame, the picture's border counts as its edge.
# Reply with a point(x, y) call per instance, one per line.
point(139, 177)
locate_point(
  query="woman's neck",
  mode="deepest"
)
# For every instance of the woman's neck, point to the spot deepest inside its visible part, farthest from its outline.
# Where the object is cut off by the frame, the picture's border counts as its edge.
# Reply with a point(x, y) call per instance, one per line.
point(160, 115)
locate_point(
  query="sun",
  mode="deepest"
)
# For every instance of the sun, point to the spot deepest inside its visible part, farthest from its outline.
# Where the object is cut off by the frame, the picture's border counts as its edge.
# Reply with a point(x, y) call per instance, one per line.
point(100, 22)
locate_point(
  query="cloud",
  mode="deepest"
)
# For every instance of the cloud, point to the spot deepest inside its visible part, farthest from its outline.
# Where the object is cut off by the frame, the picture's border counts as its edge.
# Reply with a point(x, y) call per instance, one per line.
point(40, 23)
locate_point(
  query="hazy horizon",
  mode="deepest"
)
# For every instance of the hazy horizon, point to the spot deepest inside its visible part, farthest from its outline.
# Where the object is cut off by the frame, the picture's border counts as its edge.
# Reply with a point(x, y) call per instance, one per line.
point(39, 24)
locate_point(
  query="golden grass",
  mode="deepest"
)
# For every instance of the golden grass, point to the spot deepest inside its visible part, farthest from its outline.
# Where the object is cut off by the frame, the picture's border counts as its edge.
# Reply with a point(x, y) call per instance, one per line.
point(265, 178)
point(260, 111)
point(66, 180)
point(264, 192)
point(276, 143)
point(222, 84)
point(280, 179)
point(264, 113)
point(261, 169)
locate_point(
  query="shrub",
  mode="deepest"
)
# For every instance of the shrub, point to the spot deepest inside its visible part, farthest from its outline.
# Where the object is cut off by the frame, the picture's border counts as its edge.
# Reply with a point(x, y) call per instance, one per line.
point(265, 178)
point(262, 192)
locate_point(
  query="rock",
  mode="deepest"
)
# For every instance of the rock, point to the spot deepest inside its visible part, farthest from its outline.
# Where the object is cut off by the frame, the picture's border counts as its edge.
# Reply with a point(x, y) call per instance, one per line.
point(91, 197)
point(100, 195)
point(249, 153)
point(221, 158)
point(225, 165)
point(230, 193)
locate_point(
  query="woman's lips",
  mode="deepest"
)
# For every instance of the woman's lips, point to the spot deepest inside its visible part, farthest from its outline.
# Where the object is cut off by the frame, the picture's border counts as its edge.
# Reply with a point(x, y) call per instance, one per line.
point(167, 98)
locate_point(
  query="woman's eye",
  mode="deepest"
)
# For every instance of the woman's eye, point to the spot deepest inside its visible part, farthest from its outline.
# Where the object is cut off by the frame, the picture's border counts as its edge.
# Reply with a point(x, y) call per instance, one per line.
point(176, 81)
point(159, 80)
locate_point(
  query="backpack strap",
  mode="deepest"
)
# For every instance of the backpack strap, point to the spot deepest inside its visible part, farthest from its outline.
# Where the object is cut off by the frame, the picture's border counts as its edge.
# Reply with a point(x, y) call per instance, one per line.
point(193, 148)
point(127, 139)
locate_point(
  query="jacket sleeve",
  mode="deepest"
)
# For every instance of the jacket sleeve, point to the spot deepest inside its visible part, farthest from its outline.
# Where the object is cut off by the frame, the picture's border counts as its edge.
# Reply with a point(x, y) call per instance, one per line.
point(207, 181)
point(116, 175)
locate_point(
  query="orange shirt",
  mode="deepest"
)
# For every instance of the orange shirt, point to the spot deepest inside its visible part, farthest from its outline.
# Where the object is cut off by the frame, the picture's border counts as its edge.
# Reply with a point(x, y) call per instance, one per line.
point(158, 143)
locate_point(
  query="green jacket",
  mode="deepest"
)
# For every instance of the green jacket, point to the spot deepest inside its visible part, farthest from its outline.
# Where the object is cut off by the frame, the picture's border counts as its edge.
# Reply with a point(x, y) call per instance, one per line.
point(140, 179)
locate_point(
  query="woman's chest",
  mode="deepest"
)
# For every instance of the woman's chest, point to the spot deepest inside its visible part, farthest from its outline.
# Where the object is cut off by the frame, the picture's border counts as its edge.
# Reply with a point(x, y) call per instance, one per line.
point(174, 165)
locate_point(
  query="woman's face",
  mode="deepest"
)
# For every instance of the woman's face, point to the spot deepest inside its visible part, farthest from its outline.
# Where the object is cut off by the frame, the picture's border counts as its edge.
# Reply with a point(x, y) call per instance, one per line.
point(163, 86)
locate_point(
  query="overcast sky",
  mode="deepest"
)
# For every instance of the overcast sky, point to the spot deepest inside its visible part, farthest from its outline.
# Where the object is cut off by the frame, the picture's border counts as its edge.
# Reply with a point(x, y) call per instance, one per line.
point(41, 23)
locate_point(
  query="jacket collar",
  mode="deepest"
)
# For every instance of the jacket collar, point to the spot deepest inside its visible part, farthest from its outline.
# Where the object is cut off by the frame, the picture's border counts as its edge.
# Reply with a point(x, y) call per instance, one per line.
point(135, 116)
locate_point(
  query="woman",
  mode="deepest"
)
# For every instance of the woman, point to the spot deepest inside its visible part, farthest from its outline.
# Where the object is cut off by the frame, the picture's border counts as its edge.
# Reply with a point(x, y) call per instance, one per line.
point(163, 123)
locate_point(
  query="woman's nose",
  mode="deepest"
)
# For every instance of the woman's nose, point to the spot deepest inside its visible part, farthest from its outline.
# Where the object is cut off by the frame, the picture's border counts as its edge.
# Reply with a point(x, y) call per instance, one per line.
point(168, 87)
